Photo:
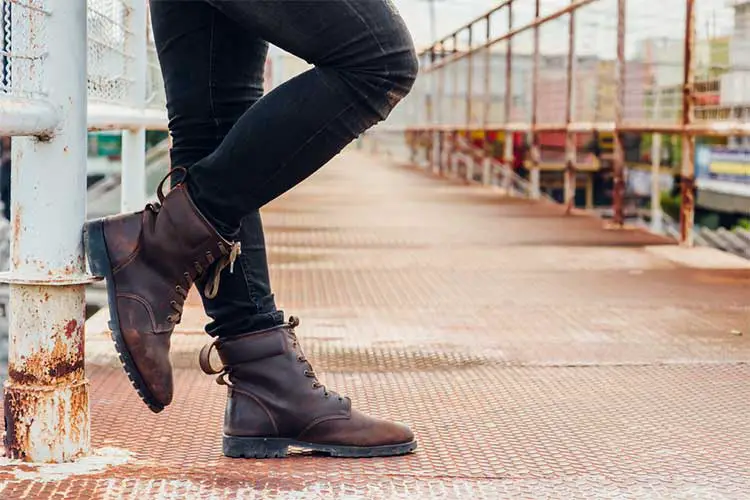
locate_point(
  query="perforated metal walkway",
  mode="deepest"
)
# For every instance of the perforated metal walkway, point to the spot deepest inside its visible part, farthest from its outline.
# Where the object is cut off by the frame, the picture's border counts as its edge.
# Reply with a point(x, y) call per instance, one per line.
point(535, 355)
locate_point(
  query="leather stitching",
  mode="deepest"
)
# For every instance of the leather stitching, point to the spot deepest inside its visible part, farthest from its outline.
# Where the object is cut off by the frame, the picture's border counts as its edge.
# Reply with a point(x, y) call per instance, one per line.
point(130, 258)
point(320, 420)
point(259, 403)
point(144, 303)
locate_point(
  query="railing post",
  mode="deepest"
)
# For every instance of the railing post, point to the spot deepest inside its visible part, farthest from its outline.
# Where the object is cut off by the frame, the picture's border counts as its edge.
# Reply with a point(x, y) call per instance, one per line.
point(134, 140)
point(431, 104)
point(687, 205)
point(46, 402)
point(487, 159)
point(438, 136)
point(618, 193)
point(508, 156)
point(535, 150)
point(656, 213)
point(570, 144)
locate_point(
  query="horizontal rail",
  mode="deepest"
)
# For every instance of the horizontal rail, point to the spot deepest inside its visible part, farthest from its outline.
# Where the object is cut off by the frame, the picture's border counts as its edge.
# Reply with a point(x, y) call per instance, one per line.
point(34, 117)
point(466, 26)
point(712, 129)
point(111, 117)
point(577, 4)
point(22, 116)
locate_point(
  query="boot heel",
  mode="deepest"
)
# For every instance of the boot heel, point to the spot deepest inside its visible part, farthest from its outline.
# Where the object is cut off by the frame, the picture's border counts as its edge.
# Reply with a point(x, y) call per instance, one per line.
point(245, 447)
point(96, 248)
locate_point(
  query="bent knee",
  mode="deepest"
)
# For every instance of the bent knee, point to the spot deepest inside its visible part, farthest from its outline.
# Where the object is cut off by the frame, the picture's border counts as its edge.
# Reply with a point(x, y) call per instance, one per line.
point(404, 72)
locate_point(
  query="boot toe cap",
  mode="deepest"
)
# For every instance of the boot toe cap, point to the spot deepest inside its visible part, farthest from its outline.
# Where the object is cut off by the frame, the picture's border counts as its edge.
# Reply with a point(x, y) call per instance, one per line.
point(359, 430)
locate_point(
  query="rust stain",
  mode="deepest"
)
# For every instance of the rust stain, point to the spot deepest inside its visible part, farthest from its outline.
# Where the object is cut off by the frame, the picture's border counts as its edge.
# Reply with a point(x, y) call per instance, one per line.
point(20, 408)
point(62, 365)
point(15, 232)
point(20, 377)
point(79, 405)
point(15, 439)
point(63, 369)
point(70, 328)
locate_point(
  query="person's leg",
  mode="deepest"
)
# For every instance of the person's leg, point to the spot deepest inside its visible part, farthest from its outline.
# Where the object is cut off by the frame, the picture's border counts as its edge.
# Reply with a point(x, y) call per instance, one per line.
point(150, 259)
point(364, 65)
point(213, 72)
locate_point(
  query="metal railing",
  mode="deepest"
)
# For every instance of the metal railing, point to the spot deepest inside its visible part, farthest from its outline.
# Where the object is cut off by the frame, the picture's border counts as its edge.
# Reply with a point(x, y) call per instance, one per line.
point(48, 100)
point(563, 76)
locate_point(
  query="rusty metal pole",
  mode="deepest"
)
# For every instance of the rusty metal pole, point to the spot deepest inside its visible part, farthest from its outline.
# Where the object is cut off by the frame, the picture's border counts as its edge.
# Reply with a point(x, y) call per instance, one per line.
point(46, 395)
point(469, 96)
point(438, 138)
point(454, 111)
point(656, 145)
point(430, 104)
point(535, 150)
point(570, 144)
point(618, 193)
point(470, 79)
point(508, 145)
point(487, 161)
point(687, 206)
point(656, 212)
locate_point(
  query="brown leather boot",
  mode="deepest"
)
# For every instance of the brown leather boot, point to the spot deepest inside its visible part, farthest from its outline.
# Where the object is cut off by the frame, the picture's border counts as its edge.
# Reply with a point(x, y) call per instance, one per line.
point(275, 401)
point(150, 259)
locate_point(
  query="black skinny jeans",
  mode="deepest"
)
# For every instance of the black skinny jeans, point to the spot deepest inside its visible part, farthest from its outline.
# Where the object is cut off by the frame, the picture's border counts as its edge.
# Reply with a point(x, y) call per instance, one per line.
point(244, 149)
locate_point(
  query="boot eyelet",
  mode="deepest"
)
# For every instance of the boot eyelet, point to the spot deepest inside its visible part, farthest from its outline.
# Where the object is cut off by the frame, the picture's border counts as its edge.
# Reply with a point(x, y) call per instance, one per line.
point(172, 302)
point(307, 373)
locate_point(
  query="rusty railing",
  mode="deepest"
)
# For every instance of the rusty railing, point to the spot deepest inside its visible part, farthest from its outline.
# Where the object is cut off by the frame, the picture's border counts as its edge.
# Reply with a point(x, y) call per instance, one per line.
point(569, 85)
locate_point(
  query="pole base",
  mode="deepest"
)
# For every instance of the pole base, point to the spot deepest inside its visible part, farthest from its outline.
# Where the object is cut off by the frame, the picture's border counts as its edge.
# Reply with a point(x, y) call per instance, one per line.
point(46, 424)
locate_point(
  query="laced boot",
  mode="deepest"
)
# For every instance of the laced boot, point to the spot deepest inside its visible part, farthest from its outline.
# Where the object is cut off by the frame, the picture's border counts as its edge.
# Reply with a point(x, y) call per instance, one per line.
point(276, 401)
point(150, 259)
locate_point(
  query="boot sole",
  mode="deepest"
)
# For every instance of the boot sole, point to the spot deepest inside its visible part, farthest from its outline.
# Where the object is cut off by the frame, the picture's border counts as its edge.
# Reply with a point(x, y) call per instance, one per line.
point(246, 447)
point(100, 265)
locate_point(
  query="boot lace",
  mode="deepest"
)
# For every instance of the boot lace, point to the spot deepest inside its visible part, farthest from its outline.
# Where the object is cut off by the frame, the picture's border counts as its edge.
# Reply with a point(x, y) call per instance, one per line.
point(227, 259)
point(212, 285)
point(204, 360)
point(309, 371)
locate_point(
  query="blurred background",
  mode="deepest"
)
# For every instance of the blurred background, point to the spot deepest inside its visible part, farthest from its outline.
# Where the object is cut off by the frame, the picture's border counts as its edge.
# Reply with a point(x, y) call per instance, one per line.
point(483, 104)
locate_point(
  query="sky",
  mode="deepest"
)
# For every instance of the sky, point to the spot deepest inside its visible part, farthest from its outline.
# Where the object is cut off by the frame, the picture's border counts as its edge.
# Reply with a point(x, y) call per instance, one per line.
point(450, 14)
point(645, 18)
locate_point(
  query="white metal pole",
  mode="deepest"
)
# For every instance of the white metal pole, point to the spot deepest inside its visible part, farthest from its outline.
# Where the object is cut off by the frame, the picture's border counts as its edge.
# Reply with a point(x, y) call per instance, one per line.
point(46, 395)
point(134, 140)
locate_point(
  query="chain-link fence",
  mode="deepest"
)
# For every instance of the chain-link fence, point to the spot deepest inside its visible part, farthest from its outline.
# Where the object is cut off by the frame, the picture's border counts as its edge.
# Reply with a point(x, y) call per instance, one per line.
point(115, 57)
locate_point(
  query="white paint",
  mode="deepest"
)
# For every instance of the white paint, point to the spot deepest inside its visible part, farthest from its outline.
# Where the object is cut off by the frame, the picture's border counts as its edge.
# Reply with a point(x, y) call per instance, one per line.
point(47, 215)
point(134, 141)
point(99, 461)
point(19, 116)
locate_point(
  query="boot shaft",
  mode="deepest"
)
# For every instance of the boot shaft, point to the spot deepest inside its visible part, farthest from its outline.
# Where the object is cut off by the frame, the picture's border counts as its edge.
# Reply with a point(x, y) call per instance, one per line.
point(273, 386)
